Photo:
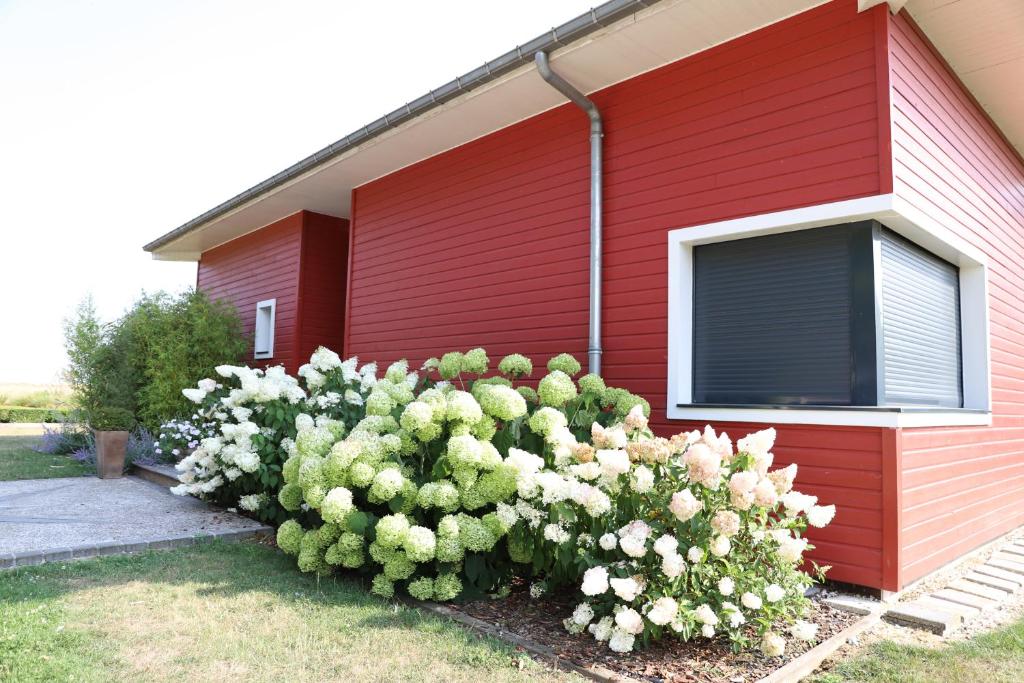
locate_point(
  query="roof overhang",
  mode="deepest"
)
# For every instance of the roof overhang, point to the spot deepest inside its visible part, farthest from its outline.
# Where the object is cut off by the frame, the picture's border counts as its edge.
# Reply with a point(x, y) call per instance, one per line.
point(614, 42)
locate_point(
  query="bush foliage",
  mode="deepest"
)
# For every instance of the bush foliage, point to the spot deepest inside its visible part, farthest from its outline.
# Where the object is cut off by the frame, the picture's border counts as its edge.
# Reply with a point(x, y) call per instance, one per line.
point(140, 361)
point(448, 482)
point(22, 414)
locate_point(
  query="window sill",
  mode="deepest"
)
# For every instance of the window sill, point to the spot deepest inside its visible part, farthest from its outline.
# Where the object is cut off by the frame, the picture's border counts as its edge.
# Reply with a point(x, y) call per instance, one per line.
point(851, 416)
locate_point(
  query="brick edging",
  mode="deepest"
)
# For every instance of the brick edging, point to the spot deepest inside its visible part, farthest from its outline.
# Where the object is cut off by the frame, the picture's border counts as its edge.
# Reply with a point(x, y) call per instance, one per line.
point(103, 548)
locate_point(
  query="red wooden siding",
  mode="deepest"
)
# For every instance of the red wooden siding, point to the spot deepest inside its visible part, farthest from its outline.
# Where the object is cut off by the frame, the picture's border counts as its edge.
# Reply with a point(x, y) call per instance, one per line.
point(261, 265)
point(962, 486)
point(266, 264)
point(487, 244)
point(323, 280)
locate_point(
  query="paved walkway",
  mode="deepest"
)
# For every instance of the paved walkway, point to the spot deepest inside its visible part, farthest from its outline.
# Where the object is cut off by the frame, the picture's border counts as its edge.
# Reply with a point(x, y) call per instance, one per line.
point(45, 520)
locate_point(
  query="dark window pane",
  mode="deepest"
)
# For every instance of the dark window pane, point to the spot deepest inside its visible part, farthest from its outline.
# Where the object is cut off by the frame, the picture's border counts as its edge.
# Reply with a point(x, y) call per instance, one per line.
point(772, 319)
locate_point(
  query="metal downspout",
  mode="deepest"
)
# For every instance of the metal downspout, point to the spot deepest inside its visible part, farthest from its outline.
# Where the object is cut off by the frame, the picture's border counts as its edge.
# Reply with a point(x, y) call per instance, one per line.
point(581, 101)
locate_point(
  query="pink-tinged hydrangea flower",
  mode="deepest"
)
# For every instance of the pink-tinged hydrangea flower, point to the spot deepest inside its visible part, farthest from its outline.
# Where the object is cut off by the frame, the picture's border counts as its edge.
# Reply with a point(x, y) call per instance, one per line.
point(726, 523)
point(635, 419)
point(783, 479)
point(765, 494)
point(758, 442)
point(703, 465)
point(684, 506)
point(741, 489)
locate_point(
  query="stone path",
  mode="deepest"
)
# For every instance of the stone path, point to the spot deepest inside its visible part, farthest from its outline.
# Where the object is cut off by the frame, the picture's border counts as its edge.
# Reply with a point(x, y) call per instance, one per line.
point(45, 520)
point(983, 587)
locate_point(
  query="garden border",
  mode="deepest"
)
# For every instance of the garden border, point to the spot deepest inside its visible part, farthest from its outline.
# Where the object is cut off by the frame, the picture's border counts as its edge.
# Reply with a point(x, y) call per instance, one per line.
point(794, 670)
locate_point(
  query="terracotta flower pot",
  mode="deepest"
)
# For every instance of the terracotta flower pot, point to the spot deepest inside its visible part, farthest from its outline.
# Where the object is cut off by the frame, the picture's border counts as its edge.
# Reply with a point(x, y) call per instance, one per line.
point(110, 452)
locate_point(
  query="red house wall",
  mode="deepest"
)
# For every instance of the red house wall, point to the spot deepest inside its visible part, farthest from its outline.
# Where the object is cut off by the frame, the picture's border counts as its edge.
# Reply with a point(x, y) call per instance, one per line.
point(296, 261)
point(487, 244)
point(961, 485)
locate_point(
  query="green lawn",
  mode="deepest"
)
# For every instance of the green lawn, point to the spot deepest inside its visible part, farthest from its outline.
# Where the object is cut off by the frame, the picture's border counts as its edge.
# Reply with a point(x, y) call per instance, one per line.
point(221, 611)
point(19, 461)
point(991, 657)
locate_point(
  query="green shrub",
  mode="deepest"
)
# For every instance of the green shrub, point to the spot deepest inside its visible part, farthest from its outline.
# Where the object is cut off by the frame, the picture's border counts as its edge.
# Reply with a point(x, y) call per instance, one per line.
point(22, 414)
point(111, 420)
point(140, 362)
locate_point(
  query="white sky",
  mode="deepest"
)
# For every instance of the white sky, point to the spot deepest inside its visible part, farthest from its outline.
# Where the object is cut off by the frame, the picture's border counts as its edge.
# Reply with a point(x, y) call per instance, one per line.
point(120, 120)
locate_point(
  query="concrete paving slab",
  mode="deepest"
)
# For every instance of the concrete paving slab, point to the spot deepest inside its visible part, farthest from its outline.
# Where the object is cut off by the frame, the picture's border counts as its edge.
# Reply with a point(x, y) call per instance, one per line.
point(964, 611)
point(852, 603)
point(999, 573)
point(992, 581)
point(1002, 562)
point(1014, 550)
point(962, 598)
point(925, 617)
point(984, 590)
point(47, 520)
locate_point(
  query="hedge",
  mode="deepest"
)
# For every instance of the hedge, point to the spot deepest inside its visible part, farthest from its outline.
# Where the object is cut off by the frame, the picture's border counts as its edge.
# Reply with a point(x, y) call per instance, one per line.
point(22, 414)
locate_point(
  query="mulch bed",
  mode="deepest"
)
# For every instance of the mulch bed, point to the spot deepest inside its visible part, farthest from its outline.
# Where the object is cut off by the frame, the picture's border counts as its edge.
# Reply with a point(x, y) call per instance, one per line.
point(540, 620)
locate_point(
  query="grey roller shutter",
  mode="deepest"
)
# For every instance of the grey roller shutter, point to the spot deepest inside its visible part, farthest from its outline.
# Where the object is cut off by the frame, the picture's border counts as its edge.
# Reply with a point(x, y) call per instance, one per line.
point(773, 319)
point(920, 326)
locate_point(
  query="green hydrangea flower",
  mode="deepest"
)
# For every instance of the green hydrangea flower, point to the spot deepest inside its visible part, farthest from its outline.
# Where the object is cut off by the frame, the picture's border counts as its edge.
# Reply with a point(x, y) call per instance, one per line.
point(290, 469)
point(448, 527)
point(376, 424)
point(392, 530)
point(515, 365)
point(471, 498)
point(400, 393)
point(420, 544)
point(316, 441)
point(464, 451)
point(494, 524)
point(422, 588)
point(545, 420)
point(380, 554)
point(361, 474)
point(497, 486)
point(406, 443)
point(312, 553)
point(289, 536)
point(383, 586)
point(386, 484)
point(314, 495)
point(489, 456)
point(397, 371)
point(475, 362)
point(520, 550)
point(290, 497)
point(627, 403)
point(380, 403)
point(592, 384)
point(529, 394)
point(416, 415)
point(350, 542)
point(353, 560)
point(390, 444)
point(611, 396)
point(311, 472)
point(447, 587)
point(336, 505)
point(564, 362)
point(465, 476)
point(437, 401)
point(399, 567)
point(450, 365)
point(556, 389)
point(335, 427)
point(329, 533)
point(485, 428)
point(474, 535)
point(502, 402)
point(449, 549)
point(462, 407)
point(429, 433)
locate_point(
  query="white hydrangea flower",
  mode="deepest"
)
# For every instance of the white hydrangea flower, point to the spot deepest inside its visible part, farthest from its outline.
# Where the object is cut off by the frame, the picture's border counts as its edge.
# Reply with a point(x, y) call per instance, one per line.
point(595, 581)
point(673, 565)
point(608, 541)
point(804, 630)
point(820, 516)
point(664, 611)
point(726, 585)
point(621, 641)
point(626, 589)
point(750, 600)
point(630, 621)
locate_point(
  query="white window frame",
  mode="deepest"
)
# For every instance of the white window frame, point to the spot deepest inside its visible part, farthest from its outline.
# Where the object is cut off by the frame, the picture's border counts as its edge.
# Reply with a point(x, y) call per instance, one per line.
point(271, 305)
point(896, 214)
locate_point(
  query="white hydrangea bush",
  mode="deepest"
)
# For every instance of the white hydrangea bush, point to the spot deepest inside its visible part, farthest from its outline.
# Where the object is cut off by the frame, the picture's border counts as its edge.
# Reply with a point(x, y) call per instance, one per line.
point(250, 419)
point(684, 537)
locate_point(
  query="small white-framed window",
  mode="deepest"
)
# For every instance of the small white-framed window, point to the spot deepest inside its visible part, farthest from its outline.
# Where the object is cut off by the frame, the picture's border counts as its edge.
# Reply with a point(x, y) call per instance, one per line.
point(830, 318)
point(263, 337)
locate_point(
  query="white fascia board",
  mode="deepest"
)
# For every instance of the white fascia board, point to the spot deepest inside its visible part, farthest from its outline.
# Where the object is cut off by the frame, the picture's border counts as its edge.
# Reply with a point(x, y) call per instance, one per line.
point(895, 214)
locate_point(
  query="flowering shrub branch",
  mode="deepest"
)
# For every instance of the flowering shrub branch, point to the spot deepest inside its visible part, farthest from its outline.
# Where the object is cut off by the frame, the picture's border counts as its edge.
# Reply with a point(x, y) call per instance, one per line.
point(447, 483)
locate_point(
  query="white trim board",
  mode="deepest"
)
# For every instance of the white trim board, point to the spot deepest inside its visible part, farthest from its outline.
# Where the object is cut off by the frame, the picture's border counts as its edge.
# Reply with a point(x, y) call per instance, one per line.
point(895, 214)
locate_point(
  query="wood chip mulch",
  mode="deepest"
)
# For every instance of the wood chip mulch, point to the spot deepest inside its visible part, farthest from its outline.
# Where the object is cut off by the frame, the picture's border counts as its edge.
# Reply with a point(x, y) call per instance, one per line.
point(540, 620)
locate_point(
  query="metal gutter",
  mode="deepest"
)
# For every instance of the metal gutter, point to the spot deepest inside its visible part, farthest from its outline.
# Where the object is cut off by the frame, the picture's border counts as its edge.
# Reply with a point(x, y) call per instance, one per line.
point(560, 36)
point(596, 133)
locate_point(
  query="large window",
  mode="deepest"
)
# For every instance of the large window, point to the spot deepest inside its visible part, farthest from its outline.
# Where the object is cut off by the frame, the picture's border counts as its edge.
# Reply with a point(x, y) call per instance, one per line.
point(861, 312)
point(811, 317)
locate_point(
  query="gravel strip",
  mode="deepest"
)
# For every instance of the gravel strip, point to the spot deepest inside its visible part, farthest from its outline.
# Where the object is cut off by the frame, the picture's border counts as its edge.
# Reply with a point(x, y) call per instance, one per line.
point(540, 620)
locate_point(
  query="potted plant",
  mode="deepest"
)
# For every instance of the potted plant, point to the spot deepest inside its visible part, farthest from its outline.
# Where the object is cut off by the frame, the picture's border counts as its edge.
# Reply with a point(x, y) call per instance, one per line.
point(111, 426)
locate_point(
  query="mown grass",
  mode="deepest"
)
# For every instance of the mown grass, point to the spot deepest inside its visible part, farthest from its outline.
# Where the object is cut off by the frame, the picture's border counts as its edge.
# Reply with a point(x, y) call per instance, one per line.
point(220, 611)
point(991, 657)
point(19, 461)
